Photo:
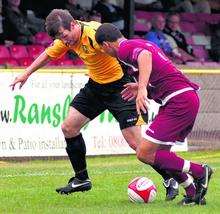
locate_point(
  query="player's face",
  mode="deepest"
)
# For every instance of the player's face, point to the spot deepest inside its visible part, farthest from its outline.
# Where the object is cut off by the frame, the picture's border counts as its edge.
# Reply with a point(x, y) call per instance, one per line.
point(70, 36)
point(109, 49)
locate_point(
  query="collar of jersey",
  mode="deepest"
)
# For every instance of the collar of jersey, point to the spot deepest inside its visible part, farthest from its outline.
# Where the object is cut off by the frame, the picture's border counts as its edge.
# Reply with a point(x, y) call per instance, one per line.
point(122, 41)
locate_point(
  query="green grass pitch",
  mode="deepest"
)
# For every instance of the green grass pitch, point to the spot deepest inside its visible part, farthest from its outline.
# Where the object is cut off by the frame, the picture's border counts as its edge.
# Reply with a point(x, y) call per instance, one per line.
point(29, 187)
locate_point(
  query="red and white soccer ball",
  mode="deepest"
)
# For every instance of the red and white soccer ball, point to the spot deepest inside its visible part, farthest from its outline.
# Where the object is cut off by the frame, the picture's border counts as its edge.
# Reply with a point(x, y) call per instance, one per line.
point(141, 190)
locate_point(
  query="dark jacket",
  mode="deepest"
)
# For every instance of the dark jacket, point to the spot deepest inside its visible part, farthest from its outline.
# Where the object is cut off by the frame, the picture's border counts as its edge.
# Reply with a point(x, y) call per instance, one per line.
point(106, 14)
point(180, 40)
point(16, 27)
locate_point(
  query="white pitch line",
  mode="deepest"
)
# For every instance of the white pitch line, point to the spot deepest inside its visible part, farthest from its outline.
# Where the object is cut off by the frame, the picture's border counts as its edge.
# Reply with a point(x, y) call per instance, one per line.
point(44, 174)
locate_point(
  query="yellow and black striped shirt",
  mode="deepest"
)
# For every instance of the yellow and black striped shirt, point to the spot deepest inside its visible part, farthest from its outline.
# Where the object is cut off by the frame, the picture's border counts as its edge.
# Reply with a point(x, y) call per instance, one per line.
point(102, 67)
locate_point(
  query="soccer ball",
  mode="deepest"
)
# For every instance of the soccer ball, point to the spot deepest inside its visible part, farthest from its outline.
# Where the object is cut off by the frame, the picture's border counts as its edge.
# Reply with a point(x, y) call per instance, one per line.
point(141, 190)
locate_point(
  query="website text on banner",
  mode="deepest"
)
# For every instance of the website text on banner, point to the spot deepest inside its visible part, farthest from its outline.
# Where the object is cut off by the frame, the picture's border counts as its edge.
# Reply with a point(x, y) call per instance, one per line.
point(30, 118)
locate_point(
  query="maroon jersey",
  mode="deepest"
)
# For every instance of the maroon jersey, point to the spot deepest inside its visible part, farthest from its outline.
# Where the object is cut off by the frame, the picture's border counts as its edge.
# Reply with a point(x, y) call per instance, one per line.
point(165, 79)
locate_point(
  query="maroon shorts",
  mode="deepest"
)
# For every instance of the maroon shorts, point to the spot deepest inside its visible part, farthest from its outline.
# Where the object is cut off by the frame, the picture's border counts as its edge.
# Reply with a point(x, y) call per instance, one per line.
point(175, 119)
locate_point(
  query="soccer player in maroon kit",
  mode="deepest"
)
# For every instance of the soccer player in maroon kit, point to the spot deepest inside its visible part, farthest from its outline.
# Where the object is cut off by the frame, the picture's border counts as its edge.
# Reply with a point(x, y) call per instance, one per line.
point(160, 80)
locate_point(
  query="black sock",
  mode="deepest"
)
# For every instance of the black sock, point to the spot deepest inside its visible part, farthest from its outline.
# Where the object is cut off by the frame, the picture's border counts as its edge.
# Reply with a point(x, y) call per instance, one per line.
point(76, 150)
point(162, 172)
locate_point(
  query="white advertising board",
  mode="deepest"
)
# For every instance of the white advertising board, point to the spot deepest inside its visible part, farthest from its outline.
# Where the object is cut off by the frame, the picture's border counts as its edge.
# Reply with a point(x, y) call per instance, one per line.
point(30, 118)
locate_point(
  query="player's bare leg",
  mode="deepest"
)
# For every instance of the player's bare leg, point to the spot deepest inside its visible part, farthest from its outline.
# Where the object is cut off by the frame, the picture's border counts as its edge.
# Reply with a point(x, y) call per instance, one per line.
point(133, 135)
point(150, 153)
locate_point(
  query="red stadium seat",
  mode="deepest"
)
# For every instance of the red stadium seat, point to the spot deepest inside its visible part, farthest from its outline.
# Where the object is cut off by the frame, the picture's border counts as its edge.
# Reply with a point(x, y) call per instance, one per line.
point(24, 62)
point(213, 18)
point(200, 52)
point(201, 27)
point(144, 15)
point(35, 50)
point(137, 37)
point(78, 62)
point(189, 40)
point(187, 27)
point(143, 27)
point(211, 64)
point(205, 17)
point(42, 38)
point(52, 63)
point(18, 51)
point(189, 17)
point(9, 62)
point(4, 52)
point(65, 62)
point(194, 64)
point(147, 15)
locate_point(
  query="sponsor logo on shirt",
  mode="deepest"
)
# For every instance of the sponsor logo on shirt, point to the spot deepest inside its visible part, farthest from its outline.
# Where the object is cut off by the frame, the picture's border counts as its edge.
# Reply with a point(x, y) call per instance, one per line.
point(85, 49)
point(131, 119)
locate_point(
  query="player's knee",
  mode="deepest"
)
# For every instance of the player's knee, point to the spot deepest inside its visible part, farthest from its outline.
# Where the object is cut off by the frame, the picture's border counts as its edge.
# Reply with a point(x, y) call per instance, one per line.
point(131, 139)
point(133, 145)
point(69, 131)
point(140, 156)
point(145, 157)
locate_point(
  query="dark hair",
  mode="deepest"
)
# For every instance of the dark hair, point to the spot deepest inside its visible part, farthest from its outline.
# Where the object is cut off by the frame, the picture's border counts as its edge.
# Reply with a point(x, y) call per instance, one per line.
point(169, 15)
point(56, 19)
point(107, 33)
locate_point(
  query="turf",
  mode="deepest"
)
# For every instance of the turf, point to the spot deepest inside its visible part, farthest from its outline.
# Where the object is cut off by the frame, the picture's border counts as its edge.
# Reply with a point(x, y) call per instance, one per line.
point(29, 187)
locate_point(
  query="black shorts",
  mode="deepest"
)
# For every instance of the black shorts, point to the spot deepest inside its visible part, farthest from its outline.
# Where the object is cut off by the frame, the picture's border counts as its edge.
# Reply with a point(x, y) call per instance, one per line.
point(95, 98)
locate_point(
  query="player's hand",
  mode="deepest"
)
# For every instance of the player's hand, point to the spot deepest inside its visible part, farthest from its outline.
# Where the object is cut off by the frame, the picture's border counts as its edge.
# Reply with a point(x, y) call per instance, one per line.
point(130, 91)
point(22, 78)
point(142, 101)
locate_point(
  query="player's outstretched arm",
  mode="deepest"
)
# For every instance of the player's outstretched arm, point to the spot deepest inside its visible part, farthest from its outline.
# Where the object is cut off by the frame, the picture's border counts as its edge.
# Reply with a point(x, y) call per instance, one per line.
point(144, 66)
point(42, 60)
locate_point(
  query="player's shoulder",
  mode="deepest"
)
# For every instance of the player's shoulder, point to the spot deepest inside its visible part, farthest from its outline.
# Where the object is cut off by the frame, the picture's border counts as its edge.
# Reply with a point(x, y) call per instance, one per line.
point(58, 43)
point(133, 43)
point(89, 29)
point(134, 46)
point(91, 25)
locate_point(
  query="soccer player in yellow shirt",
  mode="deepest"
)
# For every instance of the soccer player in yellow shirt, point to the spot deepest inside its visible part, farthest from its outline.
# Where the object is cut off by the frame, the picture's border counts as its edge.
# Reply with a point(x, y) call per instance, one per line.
point(102, 91)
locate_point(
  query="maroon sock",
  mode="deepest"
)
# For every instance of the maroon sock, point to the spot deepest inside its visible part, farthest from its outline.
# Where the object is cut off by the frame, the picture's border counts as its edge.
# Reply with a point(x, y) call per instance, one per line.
point(190, 190)
point(196, 170)
point(186, 181)
point(170, 161)
point(162, 172)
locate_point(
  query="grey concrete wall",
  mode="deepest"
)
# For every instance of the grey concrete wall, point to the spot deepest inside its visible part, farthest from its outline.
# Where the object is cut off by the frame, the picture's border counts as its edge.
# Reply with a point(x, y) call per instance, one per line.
point(206, 131)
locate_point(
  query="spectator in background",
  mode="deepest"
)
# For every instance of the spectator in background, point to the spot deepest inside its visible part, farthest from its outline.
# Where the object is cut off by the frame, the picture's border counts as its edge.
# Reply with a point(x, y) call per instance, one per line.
point(76, 10)
point(41, 8)
point(201, 6)
point(110, 13)
point(38, 23)
point(15, 24)
point(162, 40)
point(173, 29)
point(148, 5)
point(215, 6)
point(177, 5)
point(215, 43)
point(156, 34)
point(94, 16)
point(191, 6)
point(1, 27)
point(30, 10)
